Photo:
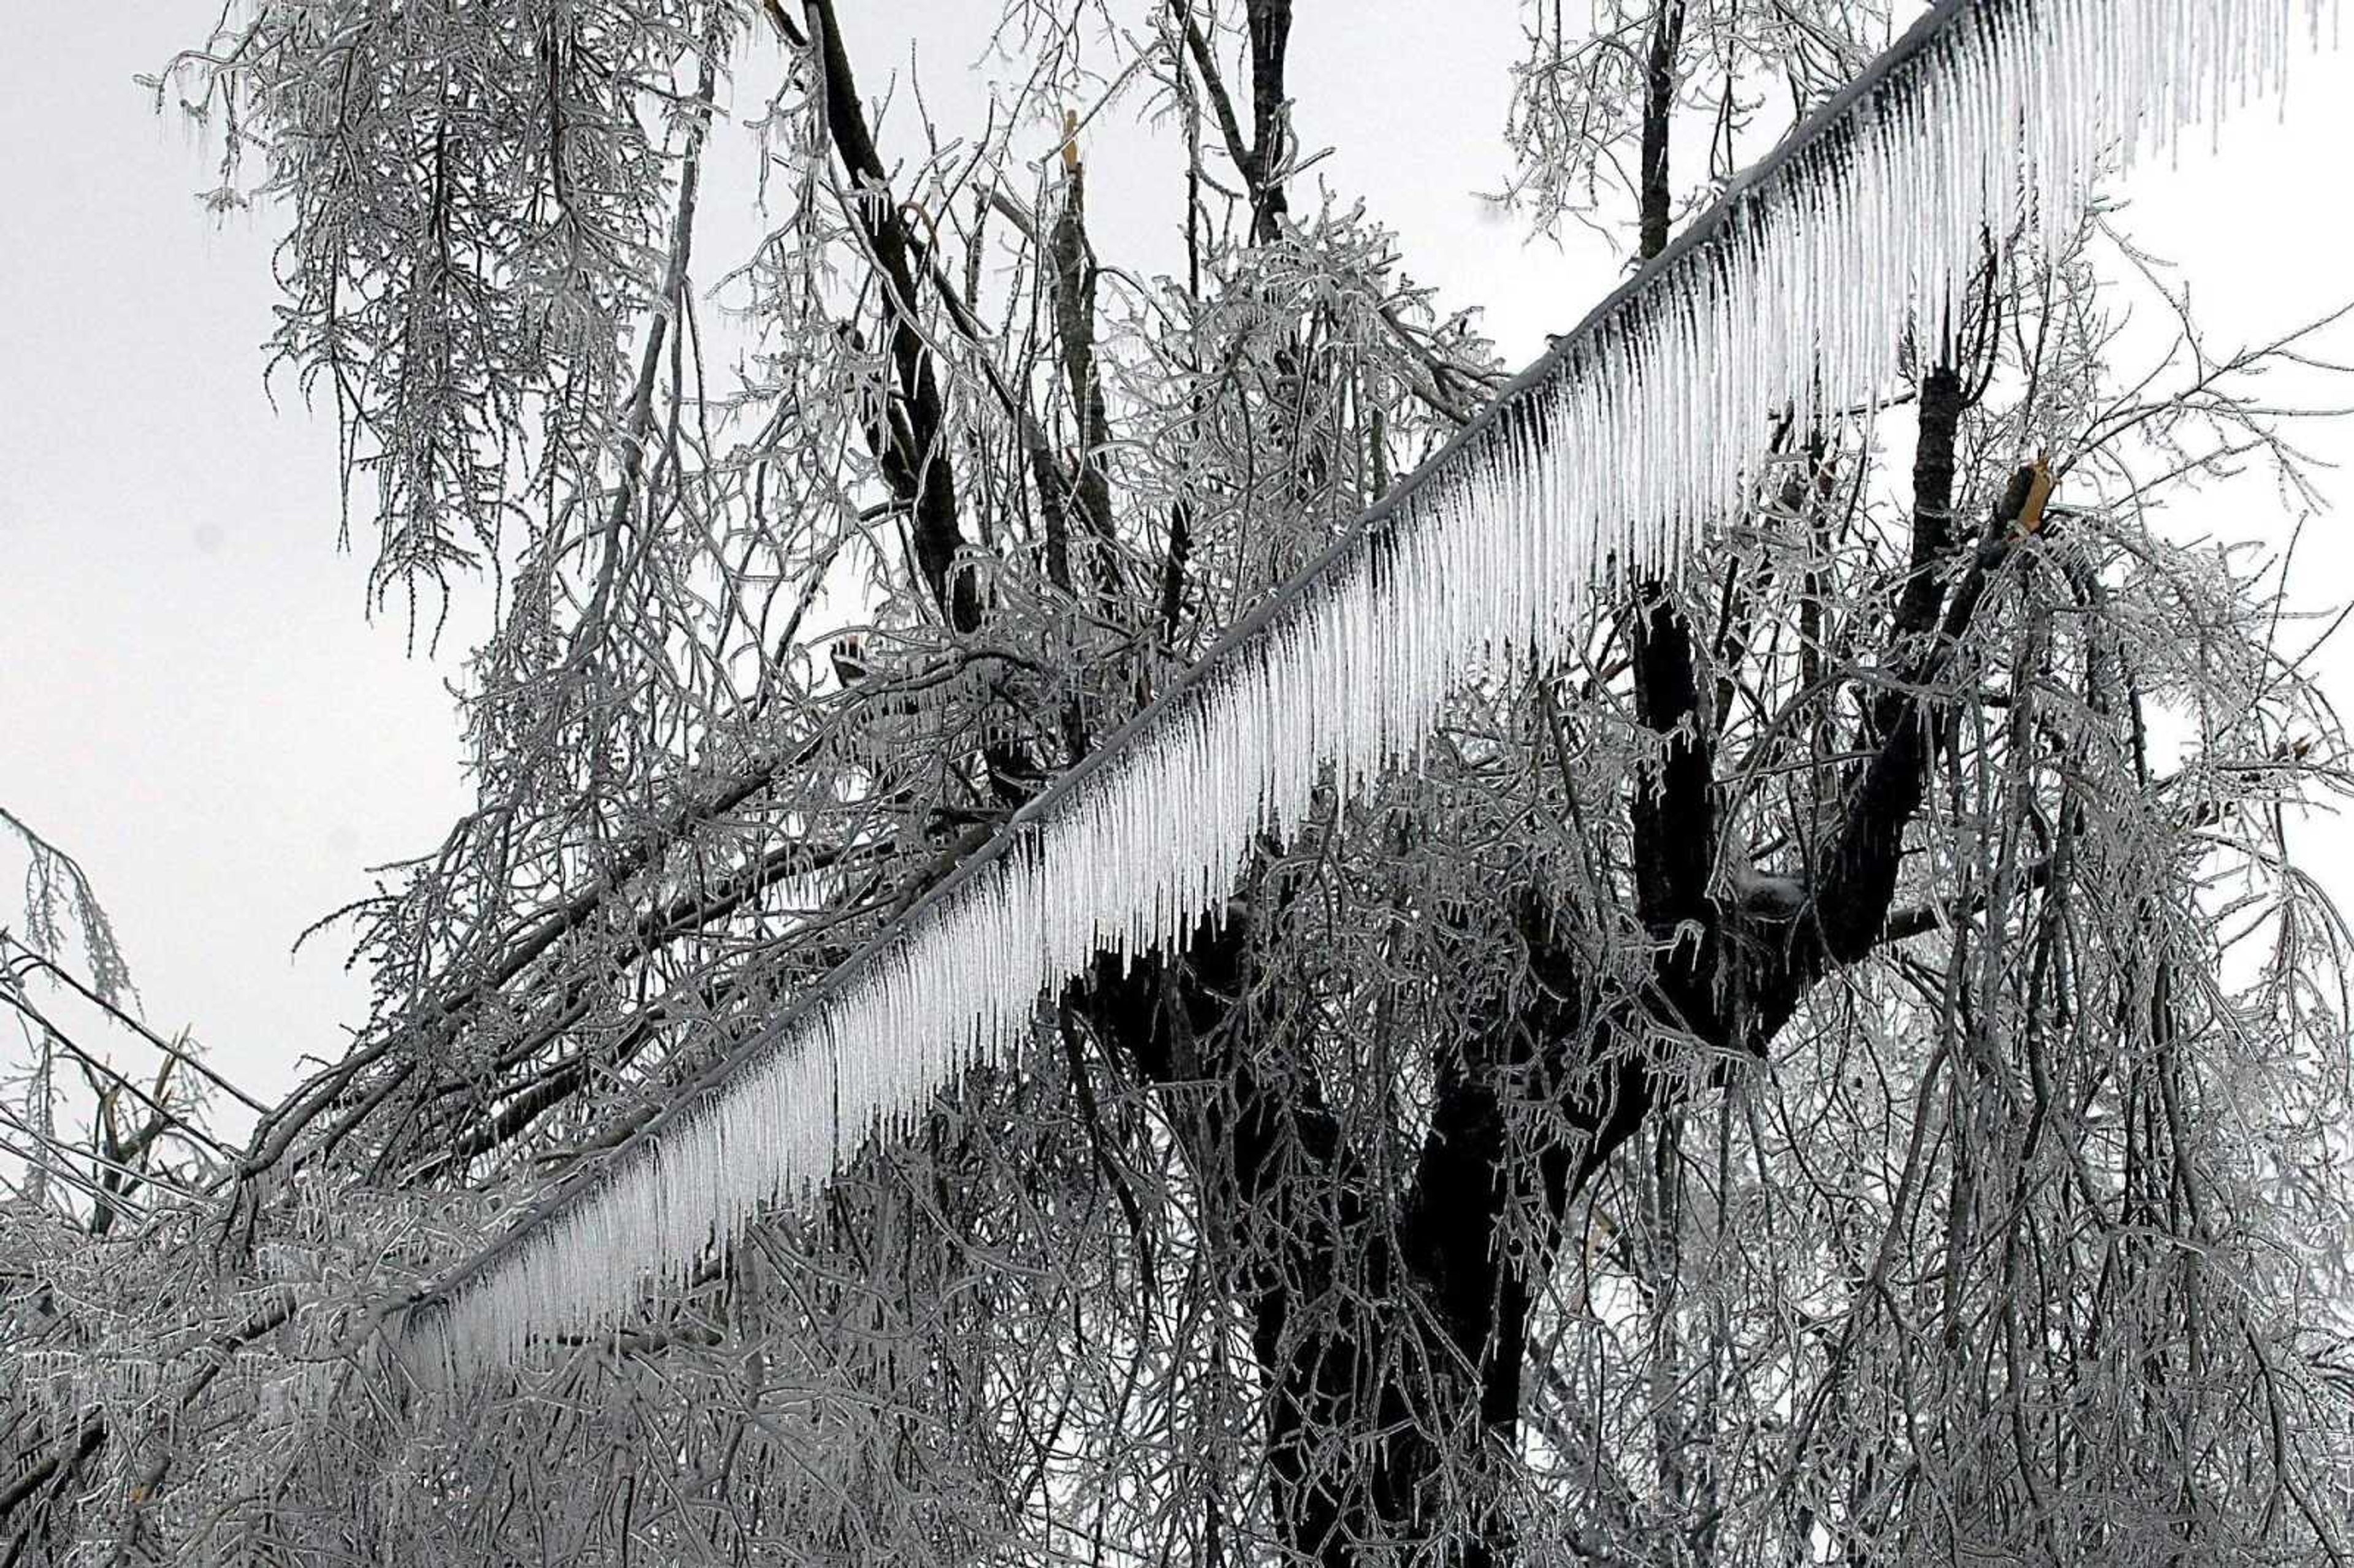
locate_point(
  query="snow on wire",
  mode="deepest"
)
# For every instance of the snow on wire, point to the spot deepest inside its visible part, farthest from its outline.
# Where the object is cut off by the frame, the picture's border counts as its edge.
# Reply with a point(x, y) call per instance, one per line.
point(1604, 457)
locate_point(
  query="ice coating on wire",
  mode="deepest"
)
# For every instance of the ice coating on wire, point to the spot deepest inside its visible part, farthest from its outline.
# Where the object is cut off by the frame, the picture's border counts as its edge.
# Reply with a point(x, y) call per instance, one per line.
point(1606, 456)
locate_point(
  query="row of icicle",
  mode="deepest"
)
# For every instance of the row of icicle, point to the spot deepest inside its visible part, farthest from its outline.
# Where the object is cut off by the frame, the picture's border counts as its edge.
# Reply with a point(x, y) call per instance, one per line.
point(1606, 456)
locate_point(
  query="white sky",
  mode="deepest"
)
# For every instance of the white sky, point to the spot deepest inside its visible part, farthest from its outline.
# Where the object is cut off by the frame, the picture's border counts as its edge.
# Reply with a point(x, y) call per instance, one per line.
point(191, 699)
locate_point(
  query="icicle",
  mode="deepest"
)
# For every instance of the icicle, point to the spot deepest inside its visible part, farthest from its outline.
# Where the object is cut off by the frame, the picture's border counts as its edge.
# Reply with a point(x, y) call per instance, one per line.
point(1602, 457)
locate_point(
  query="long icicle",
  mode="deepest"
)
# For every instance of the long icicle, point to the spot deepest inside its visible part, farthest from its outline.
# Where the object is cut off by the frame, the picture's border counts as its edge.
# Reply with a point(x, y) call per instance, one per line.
point(1793, 291)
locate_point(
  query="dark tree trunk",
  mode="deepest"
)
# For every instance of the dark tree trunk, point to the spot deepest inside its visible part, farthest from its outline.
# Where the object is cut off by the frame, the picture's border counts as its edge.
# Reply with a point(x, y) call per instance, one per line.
point(1270, 39)
point(1341, 1279)
point(1658, 107)
point(910, 436)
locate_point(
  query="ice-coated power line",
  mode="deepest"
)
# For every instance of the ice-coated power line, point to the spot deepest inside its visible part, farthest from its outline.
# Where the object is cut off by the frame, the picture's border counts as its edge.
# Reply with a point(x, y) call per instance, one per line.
point(1794, 291)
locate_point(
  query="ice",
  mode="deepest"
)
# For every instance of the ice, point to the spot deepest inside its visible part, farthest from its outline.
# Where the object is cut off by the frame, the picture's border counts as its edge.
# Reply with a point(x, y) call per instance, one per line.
point(1606, 456)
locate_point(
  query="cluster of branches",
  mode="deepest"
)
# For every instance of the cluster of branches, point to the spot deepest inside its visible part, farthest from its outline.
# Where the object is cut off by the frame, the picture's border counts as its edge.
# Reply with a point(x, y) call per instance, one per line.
point(140, 1135)
point(1841, 1067)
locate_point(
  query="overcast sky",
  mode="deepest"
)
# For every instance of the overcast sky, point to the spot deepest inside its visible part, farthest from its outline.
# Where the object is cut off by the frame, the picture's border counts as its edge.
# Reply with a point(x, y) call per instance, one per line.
point(192, 700)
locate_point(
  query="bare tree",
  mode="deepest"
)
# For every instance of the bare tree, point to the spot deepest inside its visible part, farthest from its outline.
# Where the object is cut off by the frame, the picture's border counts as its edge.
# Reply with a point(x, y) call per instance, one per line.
point(1841, 1067)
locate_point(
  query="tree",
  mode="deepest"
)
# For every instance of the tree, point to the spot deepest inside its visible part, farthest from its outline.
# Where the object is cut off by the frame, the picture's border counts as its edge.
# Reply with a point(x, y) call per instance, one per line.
point(1840, 1065)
